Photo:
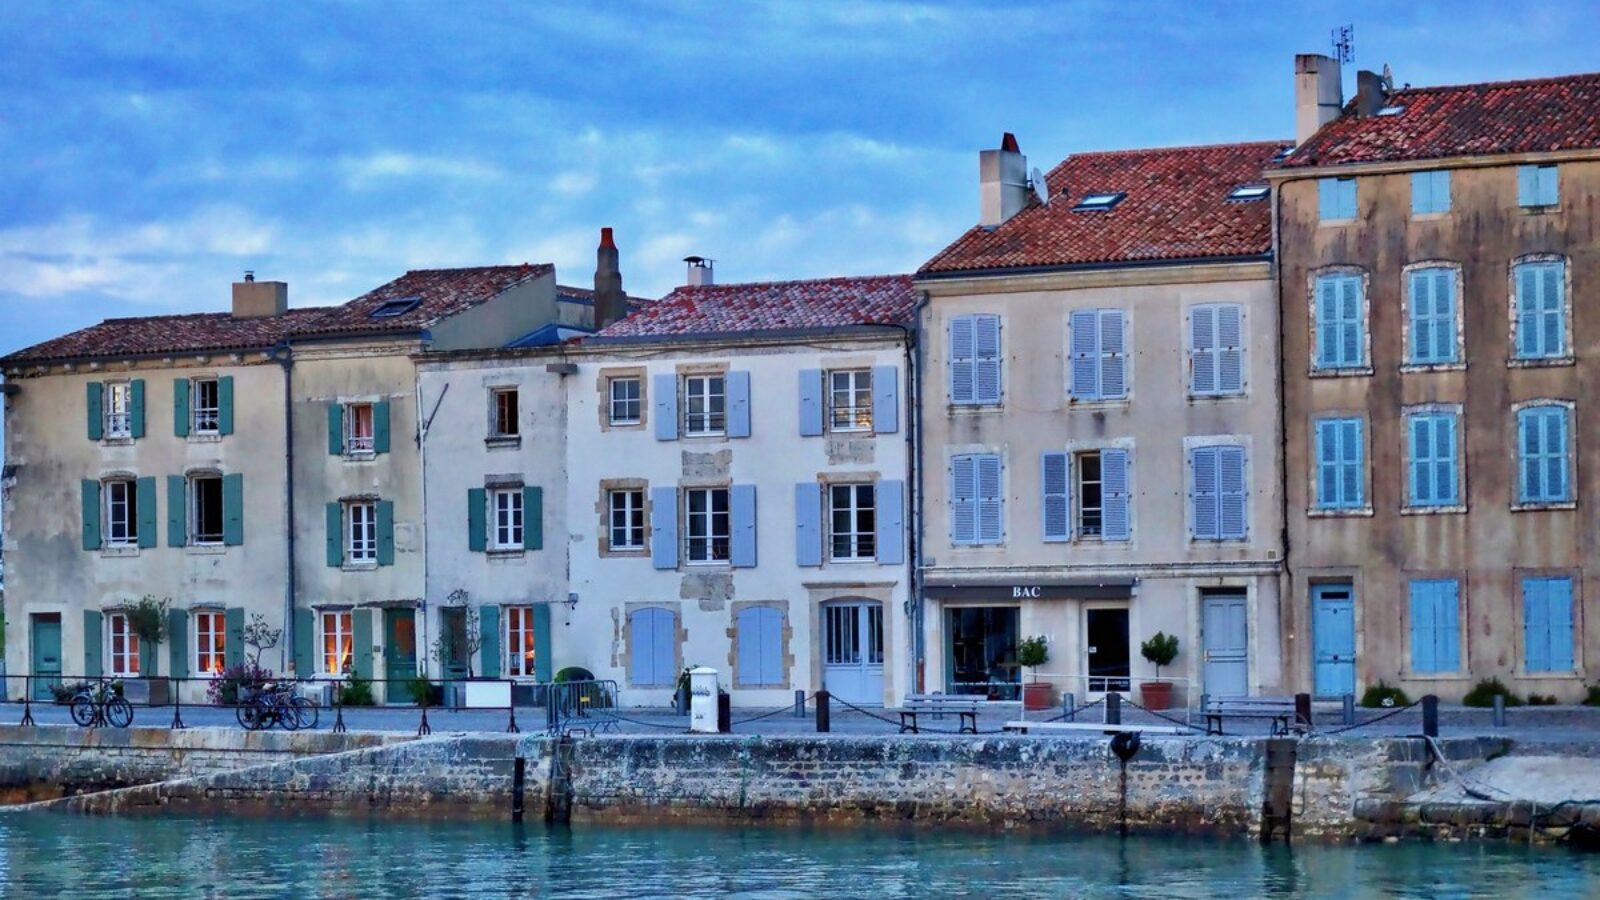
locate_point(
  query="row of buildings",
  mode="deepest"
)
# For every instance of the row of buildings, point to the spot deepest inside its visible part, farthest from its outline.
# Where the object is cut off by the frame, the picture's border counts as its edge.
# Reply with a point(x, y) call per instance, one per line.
point(1312, 406)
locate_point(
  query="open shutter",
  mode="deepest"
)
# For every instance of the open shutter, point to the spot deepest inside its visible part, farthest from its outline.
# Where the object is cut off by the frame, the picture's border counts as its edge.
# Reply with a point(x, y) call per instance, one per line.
point(890, 511)
point(1447, 624)
point(738, 404)
point(532, 518)
point(233, 636)
point(91, 514)
point(180, 407)
point(991, 509)
point(541, 643)
point(1203, 493)
point(489, 644)
point(1056, 513)
point(136, 408)
point(1559, 617)
point(811, 402)
point(963, 500)
point(1202, 349)
point(334, 535)
point(885, 399)
point(225, 405)
point(963, 388)
point(361, 639)
point(1085, 326)
point(177, 643)
point(1424, 656)
point(664, 527)
point(1114, 495)
point(1535, 625)
point(380, 427)
point(1113, 356)
point(742, 543)
point(1233, 516)
point(177, 509)
point(477, 519)
point(986, 368)
point(94, 644)
point(1230, 348)
point(233, 510)
point(385, 510)
point(807, 524)
point(665, 388)
point(146, 495)
point(305, 639)
point(94, 406)
point(335, 429)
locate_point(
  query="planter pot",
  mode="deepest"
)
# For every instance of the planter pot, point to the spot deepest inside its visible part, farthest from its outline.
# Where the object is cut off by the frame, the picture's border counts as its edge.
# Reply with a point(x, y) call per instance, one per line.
point(1038, 695)
point(1156, 695)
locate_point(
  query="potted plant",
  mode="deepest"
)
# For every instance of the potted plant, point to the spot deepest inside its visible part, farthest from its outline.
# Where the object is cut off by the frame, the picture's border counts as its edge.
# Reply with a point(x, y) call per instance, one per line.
point(1160, 650)
point(1031, 654)
point(148, 618)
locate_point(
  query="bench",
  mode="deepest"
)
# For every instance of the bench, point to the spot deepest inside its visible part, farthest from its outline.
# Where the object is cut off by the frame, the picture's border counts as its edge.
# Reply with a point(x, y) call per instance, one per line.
point(1280, 710)
point(965, 708)
point(1024, 726)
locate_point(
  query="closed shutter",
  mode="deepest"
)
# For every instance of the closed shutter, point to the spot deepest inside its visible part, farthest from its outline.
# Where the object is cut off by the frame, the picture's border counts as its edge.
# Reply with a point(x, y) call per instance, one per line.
point(177, 508)
point(385, 511)
point(146, 493)
point(94, 644)
point(1553, 305)
point(1085, 350)
point(665, 388)
point(963, 500)
point(1203, 500)
point(477, 520)
point(94, 406)
point(1421, 467)
point(1327, 322)
point(807, 524)
point(305, 642)
point(177, 643)
point(1351, 341)
point(542, 658)
point(1444, 305)
point(963, 363)
point(532, 518)
point(380, 427)
point(1053, 501)
point(1230, 349)
point(991, 511)
point(986, 333)
point(1536, 624)
point(335, 429)
point(1447, 625)
point(1424, 656)
point(742, 542)
point(811, 402)
point(738, 385)
point(885, 399)
point(1559, 619)
point(1232, 508)
point(1203, 350)
point(361, 639)
point(1115, 525)
point(180, 407)
point(225, 405)
point(90, 507)
point(489, 640)
point(889, 500)
point(664, 527)
point(136, 408)
point(233, 510)
point(653, 657)
point(333, 520)
point(760, 656)
point(1113, 355)
point(233, 636)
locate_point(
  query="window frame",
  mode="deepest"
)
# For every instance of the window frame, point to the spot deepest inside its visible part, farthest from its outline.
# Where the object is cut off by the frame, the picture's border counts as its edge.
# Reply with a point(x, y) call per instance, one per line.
point(861, 543)
point(1342, 368)
point(858, 416)
point(343, 641)
point(1455, 320)
point(129, 503)
point(1433, 413)
point(360, 550)
point(119, 625)
point(1564, 309)
point(117, 426)
point(709, 518)
point(194, 502)
point(506, 521)
point(612, 401)
point(633, 508)
point(1425, 185)
point(1218, 352)
point(1521, 501)
point(203, 419)
point(1544, 174)
point(216, 653)
point(1320, 505)
point(356, 444)
point(518, 621)
point(498, 413)
point(1080, 494)
point(699, 386)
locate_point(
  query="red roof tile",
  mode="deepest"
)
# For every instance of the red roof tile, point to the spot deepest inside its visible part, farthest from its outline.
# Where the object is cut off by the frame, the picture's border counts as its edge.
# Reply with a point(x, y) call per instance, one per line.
point(772, 306)
point(1176, 208)
point(440, 293)
point(1538, 116)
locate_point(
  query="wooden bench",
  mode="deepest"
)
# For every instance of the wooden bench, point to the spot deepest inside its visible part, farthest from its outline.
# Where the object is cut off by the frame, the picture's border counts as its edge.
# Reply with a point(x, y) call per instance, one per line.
point(1280, 710)
point(1024, 726)
point(965, 708)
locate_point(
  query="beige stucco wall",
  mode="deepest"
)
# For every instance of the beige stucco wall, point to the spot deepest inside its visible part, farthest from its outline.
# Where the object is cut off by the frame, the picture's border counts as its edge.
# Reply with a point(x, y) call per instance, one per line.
point(509, 315)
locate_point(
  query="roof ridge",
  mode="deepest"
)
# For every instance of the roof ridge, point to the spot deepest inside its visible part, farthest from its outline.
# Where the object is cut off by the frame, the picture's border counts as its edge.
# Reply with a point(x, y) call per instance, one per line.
point(521, 265)
point(1515, 82)
point(831, 279)
point(1181, 148)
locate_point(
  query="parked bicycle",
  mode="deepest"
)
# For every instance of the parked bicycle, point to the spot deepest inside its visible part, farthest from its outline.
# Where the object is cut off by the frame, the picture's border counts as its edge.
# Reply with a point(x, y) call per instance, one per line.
point(276, 704)
point(99, 704)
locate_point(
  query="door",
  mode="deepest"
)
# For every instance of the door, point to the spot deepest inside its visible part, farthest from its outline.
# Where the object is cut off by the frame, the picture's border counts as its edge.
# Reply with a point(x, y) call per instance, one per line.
point(453, 628)
point(852, 646)
point(1107, 653)
point(1227, 641)
point(1333, 628)
point(399, 652)
point(45, 653)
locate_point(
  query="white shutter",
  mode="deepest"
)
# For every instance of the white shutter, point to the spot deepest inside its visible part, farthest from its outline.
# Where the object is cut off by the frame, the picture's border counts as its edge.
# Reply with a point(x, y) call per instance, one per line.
point(1203, 493)
point(961, 359)
point(1232, 512)
point(987, 376)
point(1202, 349)
point(1113, 355)
point(1230, 348)
point(963, 500)
point(1085, 350)
point(991, 520)
point(1056, 513)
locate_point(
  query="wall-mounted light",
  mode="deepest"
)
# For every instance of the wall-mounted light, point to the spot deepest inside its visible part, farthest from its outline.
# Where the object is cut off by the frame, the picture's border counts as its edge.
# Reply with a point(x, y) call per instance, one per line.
point(572, 600)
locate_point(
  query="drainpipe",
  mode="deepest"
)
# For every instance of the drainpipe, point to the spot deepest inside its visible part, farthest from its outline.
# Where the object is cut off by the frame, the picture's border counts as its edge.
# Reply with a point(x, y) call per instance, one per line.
point(284, 356)
point(1285, 581)
point(422, 464)
point(914, 465)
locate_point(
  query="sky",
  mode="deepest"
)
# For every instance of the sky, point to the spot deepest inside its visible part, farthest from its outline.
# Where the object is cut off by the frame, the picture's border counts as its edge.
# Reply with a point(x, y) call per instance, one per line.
point(151, 152)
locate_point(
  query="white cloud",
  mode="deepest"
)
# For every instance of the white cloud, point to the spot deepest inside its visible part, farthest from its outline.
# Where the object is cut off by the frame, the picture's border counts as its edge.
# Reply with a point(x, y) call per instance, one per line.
point(362, 170)
point(574, 184)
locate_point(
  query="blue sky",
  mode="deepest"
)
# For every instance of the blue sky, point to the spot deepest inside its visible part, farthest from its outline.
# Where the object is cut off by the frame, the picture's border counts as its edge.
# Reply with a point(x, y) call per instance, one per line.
point(151, 152)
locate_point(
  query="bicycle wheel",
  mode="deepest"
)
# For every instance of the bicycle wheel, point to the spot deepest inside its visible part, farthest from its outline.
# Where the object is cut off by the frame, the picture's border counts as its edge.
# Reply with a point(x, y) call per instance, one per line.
point(283, 712)
point(83, 710)
point(248, 714)
point(119, 712)
point(305, 712)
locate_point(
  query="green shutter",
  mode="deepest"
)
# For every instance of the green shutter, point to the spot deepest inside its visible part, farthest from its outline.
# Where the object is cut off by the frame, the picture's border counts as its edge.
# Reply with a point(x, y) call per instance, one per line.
point(177, 510)
point(335, 429)
point(533, 518)
point(93, 644)
point(225, 405)
point(380, 427)
point(95, 405)
point(233, 510)
point(233, 636)
point(178, 643)
point(91, 515)
point(489, 630)
point(136, 408)
point(146, 493)
point(361, 631)
point(305, 641)
point(477, 514)
point(335, 535)
point(180, 407)
point(385, 532)
point(541, 642)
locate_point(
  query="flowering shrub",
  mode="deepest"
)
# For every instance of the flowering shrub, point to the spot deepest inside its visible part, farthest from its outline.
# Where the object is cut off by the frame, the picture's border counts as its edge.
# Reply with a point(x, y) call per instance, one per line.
point(224, 689)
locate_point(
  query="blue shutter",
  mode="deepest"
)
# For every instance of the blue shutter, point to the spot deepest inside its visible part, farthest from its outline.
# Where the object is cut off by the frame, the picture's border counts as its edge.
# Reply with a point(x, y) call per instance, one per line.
point(94, 406)
point(1536, 624)
point(489, 641)
point(1556, 467)
point(1085, 351)
point(532, 518)
point(1528, 468)
point(1351, 463)
point(180, 407)
point(1444, 311)
point(770, 623)
point(541, 643)
point(963, 500)
point(1423, 627)
point(1230, 348)
point(1203, 350)
point(738, 383)
point(665, 388)
point(1114, 495)
point(335, 429)
point(1420, 462)
point(380, 427)
point(1445, 450)
point(742, 543)
point(811, 402)
point(639, 648)
point(760, 656)
point(233, 510)
point(890, 502)
point(1233, 513)
point(136, 408)
point(177, 508)
point(664, 527)
point(963, 365)
point(1327, 353)
point(1352, 343)
point(1552, 288)
point(658, 628)
point(991, 502)
point(1113, 355)
point(1203, 493)
point(1327, 199)
point(885, 399)
point(477, 520)
point(225, 405)
point(1528, 311)
point(807, 524)
point(1559, 620)
point(748, 659)
point(1447, 621)
point(333, 521)
point(1421, 193)
point(986, 368)
point(385, 510)
point(1537, 186)
point(1420, 309)
point(145, 489)
point(1055, 506)
point(1329, 483)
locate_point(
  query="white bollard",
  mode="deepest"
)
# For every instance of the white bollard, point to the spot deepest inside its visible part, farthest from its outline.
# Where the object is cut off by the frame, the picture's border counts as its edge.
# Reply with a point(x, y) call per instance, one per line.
point(703, 700)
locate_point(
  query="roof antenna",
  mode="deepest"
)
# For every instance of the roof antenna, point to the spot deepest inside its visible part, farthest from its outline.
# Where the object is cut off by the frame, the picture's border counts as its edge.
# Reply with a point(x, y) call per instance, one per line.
point(1344, 43)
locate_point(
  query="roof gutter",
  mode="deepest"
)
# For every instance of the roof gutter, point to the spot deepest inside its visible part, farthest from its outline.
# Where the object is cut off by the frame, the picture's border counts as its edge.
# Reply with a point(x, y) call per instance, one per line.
point(778, 335)
point(1090, 267)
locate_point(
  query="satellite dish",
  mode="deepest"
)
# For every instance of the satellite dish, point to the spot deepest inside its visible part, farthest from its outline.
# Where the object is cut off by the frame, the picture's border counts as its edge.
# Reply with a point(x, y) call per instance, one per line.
point(1388, 79)
point(1040, 189)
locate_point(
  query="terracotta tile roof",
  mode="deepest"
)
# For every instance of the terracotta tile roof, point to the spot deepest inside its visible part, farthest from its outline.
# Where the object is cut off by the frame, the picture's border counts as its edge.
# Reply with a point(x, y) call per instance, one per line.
point(772, 306)
point(1537, 116)
point(440, 293)
point(156, 335)
point(1176, 208)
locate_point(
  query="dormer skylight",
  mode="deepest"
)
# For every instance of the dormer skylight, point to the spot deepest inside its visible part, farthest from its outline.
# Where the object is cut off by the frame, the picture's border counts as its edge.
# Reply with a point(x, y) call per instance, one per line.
point(389, 309)
point(1249, 192)
point(1283, 154)
point(1099, 202)
point(1391, 110)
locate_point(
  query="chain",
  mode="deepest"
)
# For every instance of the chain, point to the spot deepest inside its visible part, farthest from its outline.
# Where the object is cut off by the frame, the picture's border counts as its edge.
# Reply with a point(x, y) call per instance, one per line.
point(1388, 715)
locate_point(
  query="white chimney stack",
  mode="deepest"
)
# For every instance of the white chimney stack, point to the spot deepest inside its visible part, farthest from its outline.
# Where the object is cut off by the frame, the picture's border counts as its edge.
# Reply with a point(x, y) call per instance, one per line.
point(1002, 182)
point(700, 274)
point(1318, 94)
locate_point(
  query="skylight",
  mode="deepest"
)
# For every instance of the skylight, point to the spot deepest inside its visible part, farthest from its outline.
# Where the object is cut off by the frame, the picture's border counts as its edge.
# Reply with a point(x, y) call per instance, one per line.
point(1283, 154)
point(1249, 192)
point(391, 308)
point(1101, 201)
point(1391, 110)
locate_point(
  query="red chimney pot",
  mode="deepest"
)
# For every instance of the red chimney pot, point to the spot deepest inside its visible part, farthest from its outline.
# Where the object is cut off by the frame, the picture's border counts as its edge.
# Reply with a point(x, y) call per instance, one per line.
point(1009, 142)
point(605, 238)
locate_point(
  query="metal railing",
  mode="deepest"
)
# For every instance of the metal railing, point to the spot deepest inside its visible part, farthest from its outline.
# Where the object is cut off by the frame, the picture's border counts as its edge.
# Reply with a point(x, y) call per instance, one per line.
point(1048, 693)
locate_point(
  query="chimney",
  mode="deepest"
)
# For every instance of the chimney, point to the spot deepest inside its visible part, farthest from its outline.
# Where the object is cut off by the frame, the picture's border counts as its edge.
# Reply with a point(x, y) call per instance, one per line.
point(1002, 182)
point(700, 274)
point(254, 299)
point(1318, 94)
point(610, 303)
point(1370, 95)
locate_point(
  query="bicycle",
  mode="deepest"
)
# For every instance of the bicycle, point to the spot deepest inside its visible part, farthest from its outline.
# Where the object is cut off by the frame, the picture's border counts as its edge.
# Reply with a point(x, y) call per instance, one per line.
point(99, 704)
point(279, 705)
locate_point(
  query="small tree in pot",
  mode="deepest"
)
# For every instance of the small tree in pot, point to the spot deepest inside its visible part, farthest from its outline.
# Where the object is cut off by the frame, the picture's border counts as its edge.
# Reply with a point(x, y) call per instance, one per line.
point(1161, 650)
point(1031, 654)
point(148, 619)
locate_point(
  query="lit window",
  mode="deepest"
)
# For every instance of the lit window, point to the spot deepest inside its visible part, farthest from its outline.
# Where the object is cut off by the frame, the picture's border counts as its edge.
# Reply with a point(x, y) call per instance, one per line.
point(206, 405)
point(210, 642)
point(627, 520)
point(122, 514)
point(626, 405)
point(358, 428)
point(853, 520)
point(1249, 192)
point(1099, 201)
point(850, 400)
point(506, 505)
point(361, 532)
point(119, 409)
point(705, 405)
point(124, 646)
point(520, 649)
point(338, 642)
point(504, 412)
point(205, 509)
point(709, 527)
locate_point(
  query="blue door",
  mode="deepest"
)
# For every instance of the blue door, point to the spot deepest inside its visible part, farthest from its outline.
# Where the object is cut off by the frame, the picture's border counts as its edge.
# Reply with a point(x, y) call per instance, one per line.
point(46, 654)
point(1333, 629)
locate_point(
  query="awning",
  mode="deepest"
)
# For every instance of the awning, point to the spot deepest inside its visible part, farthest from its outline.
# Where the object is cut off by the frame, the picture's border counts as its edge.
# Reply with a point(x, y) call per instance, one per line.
point(1072, 589)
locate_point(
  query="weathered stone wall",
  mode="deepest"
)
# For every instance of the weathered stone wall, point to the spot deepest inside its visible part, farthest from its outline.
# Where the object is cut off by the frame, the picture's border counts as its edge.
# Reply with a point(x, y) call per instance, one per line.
point(1334, 777)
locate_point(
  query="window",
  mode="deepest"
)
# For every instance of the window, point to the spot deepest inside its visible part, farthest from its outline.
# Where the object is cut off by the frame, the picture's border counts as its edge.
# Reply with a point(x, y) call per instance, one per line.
point(627, 519)
point(358, 428)
point(1541, 310)
point(1435, 626)
point(389, 309)
point(1542, 454)
point(1245, 192)
point(975, 360)
point(124, 647)
point(506, 505)
point(1431, 466)
point(1102, 491)
point(1340, 322)
point(1099, 361)
point(1217, 496)
point(119, 409)
point(1216, 347)
point(1090, 509)
point(976, 506)
point(361, 532)
point(850, 400)
point(705, 405)
point(521, 651)
point(1336, 199)
point(1430, 192)
point(210, 642)
point(1547, 624)
point(122, 514)
point(206, 406)
point(1099, 201)
point(853, 521)
point(1537, 186)
point(503, 413)
point(338, 642)
point(1341, 476)
point(1391, 110)
point(205, 509)
point(706, 514)
point(1432, 306)
point(627, 407)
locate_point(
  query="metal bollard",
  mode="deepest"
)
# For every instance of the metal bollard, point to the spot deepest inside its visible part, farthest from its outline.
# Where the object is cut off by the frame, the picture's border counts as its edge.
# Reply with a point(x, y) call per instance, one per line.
point(1068, 704)
point(799, 704)
point(1499, 710)
point(1430, 715)
point(1302, 710)
point(1113, 708)
point(1349, 709)
point(724, 712)
point(823, 720)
